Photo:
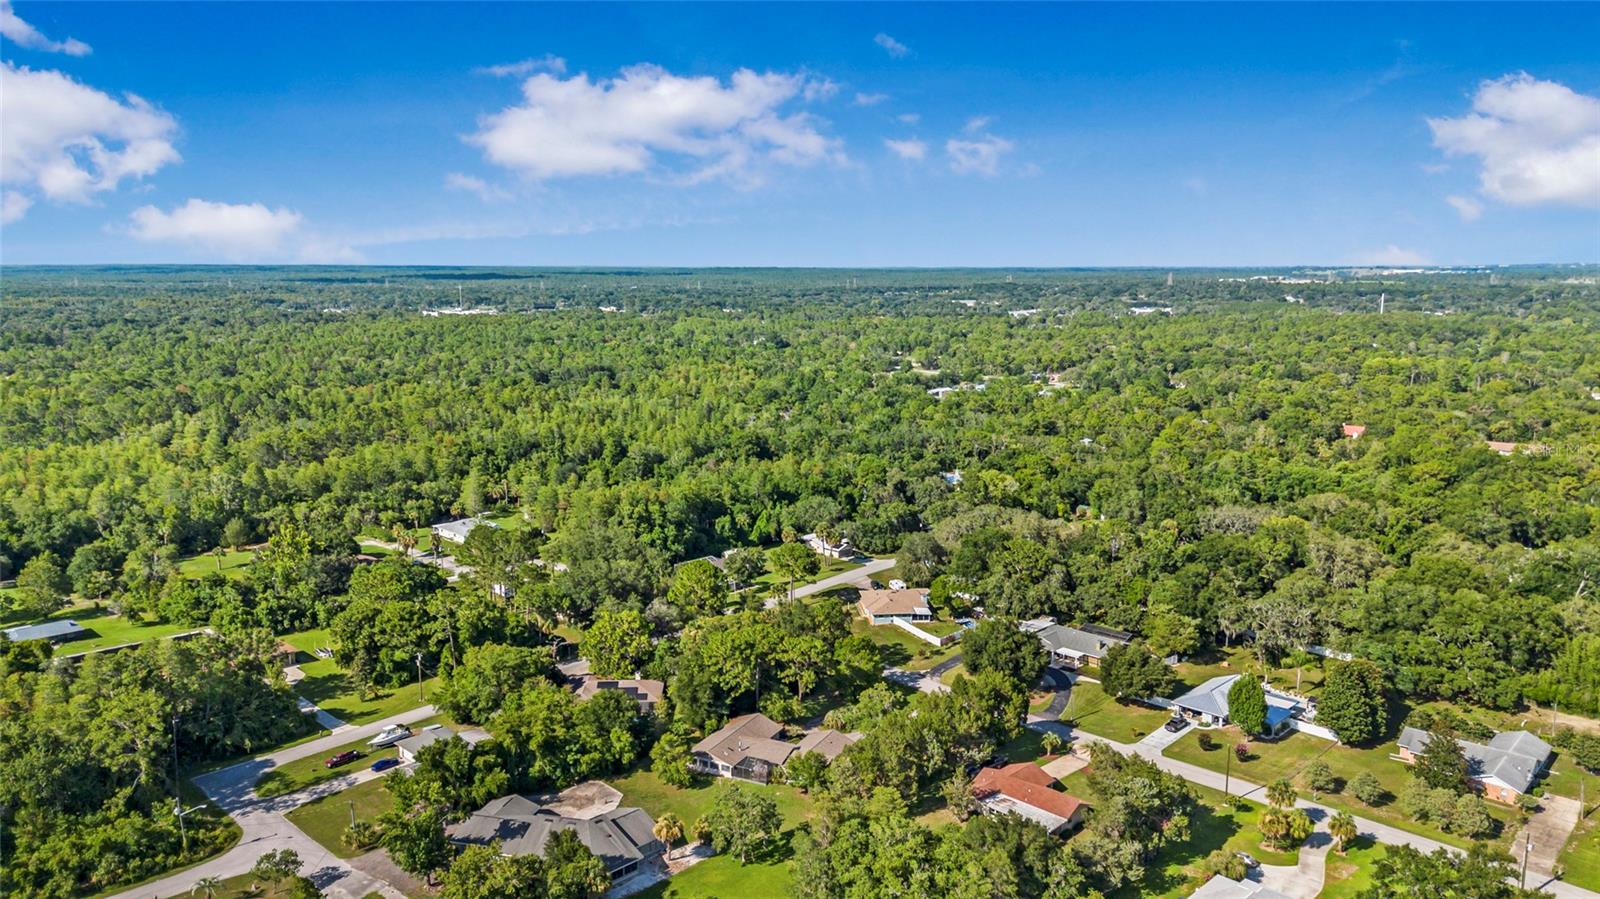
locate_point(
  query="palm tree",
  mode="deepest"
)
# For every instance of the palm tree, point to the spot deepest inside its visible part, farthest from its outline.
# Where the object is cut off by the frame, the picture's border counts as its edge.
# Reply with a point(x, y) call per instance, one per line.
point(669, 830)
point(404, 539)
point(702, 829)
point(1281, 793)
point(219, 552)
point(1343, 828)
point(1050, 743)
point(209, 884)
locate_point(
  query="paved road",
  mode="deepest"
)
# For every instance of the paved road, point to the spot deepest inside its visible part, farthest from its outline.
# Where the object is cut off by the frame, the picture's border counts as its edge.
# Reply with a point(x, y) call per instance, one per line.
point(266, 829)
point(843, 579)
point(1382, 833)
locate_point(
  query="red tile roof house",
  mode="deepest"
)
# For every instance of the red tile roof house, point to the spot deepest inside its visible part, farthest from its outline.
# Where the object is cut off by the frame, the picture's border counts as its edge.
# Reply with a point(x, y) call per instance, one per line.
point(1025, 789)
point(1351, 431)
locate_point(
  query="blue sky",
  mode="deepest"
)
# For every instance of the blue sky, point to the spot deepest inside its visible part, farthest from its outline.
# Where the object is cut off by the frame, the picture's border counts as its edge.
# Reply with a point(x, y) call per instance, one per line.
point(849, 135)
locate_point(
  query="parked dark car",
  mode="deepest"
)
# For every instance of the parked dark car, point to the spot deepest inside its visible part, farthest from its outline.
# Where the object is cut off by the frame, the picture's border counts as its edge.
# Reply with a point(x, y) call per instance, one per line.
point(343, 758)
point(1176, 723)
point(385, 764)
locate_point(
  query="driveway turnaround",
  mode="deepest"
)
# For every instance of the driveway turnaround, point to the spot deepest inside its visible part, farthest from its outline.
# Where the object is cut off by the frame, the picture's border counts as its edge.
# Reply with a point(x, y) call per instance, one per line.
point(265, 829)
point(854, 577)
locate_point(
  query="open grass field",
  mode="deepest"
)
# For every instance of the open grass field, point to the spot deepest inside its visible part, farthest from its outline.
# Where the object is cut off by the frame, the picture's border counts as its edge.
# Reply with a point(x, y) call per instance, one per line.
point(1289, 756)
point(325, 684)
point(233, 564)
point(325, 819)
point(109, 629)
point(1090, 710)
point(1582, 855)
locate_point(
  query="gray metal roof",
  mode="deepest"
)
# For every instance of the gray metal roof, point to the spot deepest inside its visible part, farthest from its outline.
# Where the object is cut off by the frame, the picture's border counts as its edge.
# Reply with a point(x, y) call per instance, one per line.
point(1211, 698)
point(1513, 757)
point(619, 837)
point(49, 630)
point(1220, 887)
point(426, 737)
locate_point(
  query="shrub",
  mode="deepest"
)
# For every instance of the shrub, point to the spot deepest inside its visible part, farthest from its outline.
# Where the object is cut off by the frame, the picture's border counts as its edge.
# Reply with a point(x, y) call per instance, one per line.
point(1223, 863)
point(1207, 743)
point(1241, 751)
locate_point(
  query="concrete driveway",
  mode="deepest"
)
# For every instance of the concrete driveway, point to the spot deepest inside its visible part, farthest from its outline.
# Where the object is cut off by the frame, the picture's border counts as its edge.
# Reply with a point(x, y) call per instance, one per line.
point(265, 829)
point(1546, 832)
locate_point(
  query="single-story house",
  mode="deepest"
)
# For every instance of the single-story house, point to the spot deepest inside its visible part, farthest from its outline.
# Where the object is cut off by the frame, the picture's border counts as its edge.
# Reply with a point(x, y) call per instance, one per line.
point(1075, 647)
point(622, 838)
point(884, 606)
point(1352, 432)
point(408, 748)
point(1220, 887)
point(647, 693)
point(1209, 703)
point(1025, 789)
point(748, 748)
point(54, 631)
point(1504, 769)
point(839, 550)
point(457, 531)
point(826, 742)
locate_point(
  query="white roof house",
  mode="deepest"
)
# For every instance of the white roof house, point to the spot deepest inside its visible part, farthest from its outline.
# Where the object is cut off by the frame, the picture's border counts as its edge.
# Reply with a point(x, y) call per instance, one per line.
point(457, 531)
point(1220, 887)
point(1210, 702)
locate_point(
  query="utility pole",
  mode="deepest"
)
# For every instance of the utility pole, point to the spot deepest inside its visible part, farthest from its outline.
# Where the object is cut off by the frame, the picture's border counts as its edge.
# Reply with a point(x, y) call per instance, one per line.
point(1527, 846)
point(419, 677)
point(352, 803)
point(1227, 772)
point(175, 796)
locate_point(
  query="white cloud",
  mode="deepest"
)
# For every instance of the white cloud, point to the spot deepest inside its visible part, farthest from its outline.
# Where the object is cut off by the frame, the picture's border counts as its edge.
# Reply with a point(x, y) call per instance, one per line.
point(485, 191)
point(907, 149)
point(1466, 207)
point(975, 124)
point(870, 99)
point(909, 118)
point(980, 156)
point(893, 47)
point(1537, 141)
point(546, 63)
point(24, 35)
point(819, 89)
point(12, 206)
point(235, 231)
point(1391, 255)
point(68, 141)
point(647, 117)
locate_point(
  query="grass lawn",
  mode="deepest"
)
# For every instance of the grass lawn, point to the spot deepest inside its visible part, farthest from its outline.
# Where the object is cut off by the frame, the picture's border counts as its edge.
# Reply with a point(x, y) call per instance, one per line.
point(325, 685)
point(901, 650)
point(1349, 874)
point(645, 790)
point(234, 564)
point(722, 877)
point(1582, 855)
point(1289, 756)
point(1089, 709)
point(1214, 825)
point(325, 819)
point(108, 629)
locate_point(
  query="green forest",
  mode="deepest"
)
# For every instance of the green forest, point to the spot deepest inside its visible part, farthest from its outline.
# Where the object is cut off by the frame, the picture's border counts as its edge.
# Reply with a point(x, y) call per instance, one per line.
point(1164, 455)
